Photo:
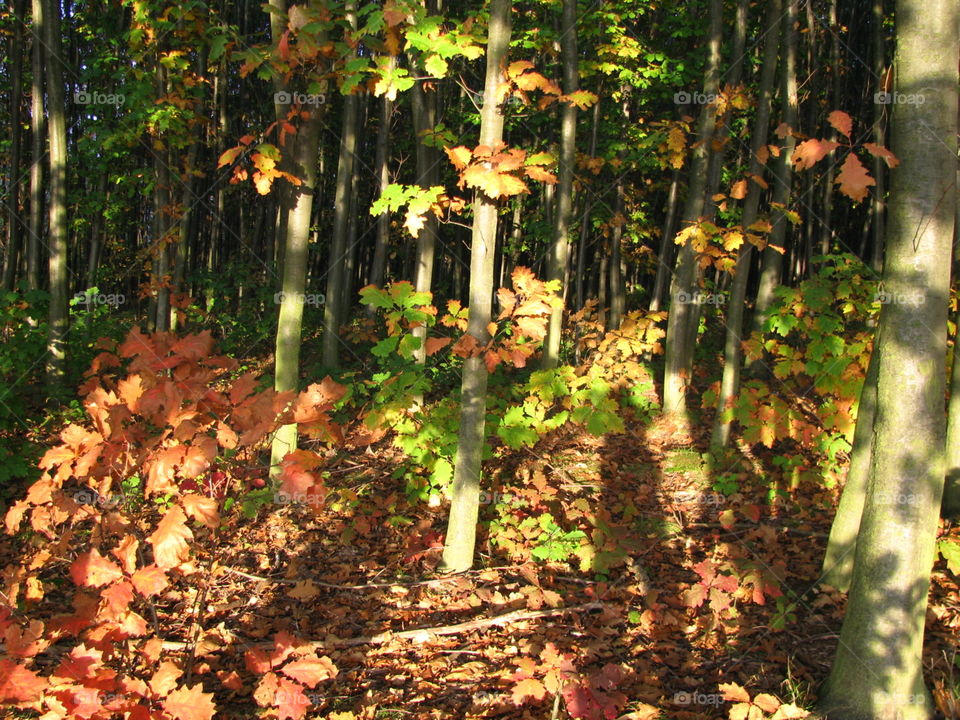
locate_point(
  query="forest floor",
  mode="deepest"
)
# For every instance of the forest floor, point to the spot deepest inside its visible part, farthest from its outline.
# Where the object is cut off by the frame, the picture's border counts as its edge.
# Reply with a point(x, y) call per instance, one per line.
point(705, 600)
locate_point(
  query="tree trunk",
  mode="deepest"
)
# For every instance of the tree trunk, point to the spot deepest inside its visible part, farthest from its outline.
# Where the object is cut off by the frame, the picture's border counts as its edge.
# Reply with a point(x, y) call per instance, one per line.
point(560, 250)
point(878, 204)
point(298, 199)
point(14, 227)
point(382, 169)
point(57, 237)
point(684, 308)
point(665, 259)
point(730, 383)
point(951, 493)
point(772, 261)
point(37, 135)
point(877, 672)
point(618, 299)
point(333, 312)
point(838, 561)
point(465, 493)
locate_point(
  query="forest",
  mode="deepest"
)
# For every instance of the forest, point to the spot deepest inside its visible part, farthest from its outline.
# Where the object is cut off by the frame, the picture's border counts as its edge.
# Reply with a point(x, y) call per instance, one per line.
point(587, 359)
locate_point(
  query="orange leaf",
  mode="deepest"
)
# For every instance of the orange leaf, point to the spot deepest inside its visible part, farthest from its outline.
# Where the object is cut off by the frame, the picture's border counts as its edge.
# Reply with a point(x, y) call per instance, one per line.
point(18, 684)
point(149, 580)
point(202, 509)
point(734, 693)
point(810, 152)
point(880, 151)
point(841, 122)
point(170, 539)
point(460, 156)
point(290, 701)
point(738, 191)
point(310, 670)
point(528, 688)
point(119, 596)
point(435, 344)
point(190, 704)
point(854, 179)
point(164, 680)
point(93, 570)
point(466, 347)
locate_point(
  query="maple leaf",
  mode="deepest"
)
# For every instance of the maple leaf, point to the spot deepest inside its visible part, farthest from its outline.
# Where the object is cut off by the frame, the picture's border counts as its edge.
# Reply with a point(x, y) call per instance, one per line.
point(171, 539)
point(528, 688)
point(190, 703)
point(19, 684)
point(841, 122)
point(92, 569)
point(164, 680)
point(310, 670)
point(810, 152)
point(460, 156)
point(290, 701)
point(492, 183)
point(854, 179)
point(535, 172)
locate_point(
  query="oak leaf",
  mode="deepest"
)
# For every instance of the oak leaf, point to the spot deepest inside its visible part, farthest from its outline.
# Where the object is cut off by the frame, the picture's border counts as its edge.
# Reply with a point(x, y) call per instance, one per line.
point(171, 539)
point(854, 179)
point(190, 704)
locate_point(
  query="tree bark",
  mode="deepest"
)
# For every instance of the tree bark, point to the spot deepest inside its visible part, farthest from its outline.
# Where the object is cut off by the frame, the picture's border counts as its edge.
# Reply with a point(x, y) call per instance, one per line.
point(877, 672)
point(37, 135)
point(560, 250)
point(14, 224)
point(465, 499)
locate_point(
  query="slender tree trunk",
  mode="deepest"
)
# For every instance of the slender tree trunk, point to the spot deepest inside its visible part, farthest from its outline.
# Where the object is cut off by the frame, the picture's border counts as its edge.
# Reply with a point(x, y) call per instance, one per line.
point(684, 306)
point(618, 299)
point(772, 260)
point(382, 169)
point(57, 128)
point(585, 219)
point(730, 383)
point(560, 251)
point(299, 209)
point(951, 493)
point(37, 134)
point(877, 206)
point(665, 259)
point(877, 672)
point(465, 493)
point(14, 224)
point(333, 314)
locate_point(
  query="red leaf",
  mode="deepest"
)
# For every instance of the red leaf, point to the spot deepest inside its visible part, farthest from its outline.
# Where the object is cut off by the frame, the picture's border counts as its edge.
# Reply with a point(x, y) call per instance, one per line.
point(881, 152)
point(93, 570)
point(18, 684)
point(435, 344)
point(190, 704)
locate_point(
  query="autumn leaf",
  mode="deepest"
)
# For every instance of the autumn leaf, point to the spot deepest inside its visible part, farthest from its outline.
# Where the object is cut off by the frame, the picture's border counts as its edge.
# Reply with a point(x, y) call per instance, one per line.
point(492, 183)
point(149, 580)
point(460, 156)
point(810, 152)
point(738, 191)
point(881, 152)
point(734, 693)
point(19, 684)
point(528, 688)
point(202, 509)
point(190, 704)
point(171, 539)
point(164, 680)
point(290, 701)
point(841, 122)
point(854, 179)
point(91, 569)
point(310, 670)
point(435, 344)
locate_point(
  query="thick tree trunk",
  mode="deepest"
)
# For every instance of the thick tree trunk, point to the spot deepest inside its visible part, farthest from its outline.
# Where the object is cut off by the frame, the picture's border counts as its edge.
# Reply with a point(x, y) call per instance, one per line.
point(465, 498)
point(560, 250)
point(877, 672)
